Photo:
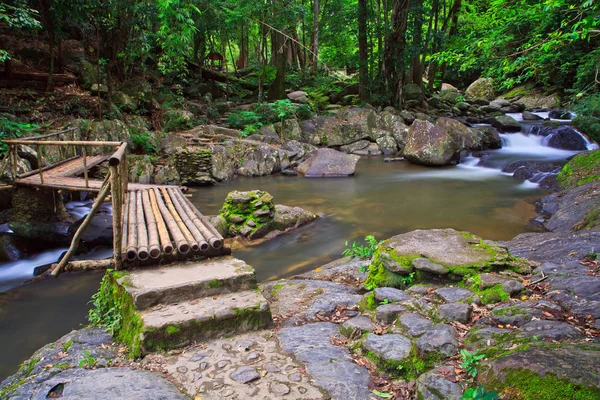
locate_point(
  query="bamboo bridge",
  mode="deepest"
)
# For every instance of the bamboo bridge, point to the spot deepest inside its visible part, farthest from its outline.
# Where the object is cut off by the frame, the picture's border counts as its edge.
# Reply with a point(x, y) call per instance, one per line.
point(152, 224)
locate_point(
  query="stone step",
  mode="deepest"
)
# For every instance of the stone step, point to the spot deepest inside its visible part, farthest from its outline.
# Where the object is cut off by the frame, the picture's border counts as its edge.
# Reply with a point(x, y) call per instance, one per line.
point(176, 325)
point(187, 281)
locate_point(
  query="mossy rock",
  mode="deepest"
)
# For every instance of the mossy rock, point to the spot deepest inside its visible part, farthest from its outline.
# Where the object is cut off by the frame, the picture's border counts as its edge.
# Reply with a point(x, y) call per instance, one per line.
point(583, 168)
point(566, 373)
point(249, 214)
point(462, 253)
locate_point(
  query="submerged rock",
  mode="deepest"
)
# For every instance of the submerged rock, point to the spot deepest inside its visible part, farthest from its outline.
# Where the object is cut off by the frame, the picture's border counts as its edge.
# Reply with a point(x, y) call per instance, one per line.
point(328, 163)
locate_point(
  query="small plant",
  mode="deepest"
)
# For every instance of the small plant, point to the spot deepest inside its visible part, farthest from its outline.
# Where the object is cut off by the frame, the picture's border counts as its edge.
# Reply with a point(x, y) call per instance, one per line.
point(385, 301)
point(104, 312)
point(142, 143)
point(478, 393)
point(470, 361)
point(88, 360)
point(408, 280)
point(364, 252)
point(67, 345)
point(12, 129)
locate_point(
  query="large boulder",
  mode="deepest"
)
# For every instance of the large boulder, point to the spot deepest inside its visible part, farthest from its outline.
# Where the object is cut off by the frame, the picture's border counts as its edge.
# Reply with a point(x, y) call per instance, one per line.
point(393, 123)
point(461, 253)
point(141, 169)
point(139, 89)
point(482, 88)
point(491, 137)
point(328, 163)
point(563, 137)
point(298, 96)
point(431, 145)
point(506, 123)
point(466, 138)
point(262, 160)
point(413, 92)
point(347, 127)
point(246, 212)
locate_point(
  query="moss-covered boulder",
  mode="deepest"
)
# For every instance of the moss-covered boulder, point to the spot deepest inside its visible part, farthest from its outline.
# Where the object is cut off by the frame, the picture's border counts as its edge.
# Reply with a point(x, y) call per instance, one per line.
point(481, 89)
point(431, 145)
point(583, 168)
point(460, 256)
point(545, 374)
point(247, 213)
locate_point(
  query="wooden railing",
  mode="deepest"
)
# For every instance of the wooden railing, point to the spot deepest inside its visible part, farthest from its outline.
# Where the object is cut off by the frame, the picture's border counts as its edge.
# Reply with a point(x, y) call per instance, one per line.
point(115, 182)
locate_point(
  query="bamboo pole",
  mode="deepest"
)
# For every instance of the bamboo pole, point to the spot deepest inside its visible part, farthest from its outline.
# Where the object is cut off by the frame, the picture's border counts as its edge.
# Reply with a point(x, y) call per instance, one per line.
point(186, 232)
point(204, 223)
point(15, 165)
point(85, 172)
point(46, 168)
point(91, 143)
point(118, 155)
point(182, 246)
point(163, 234)
point(153, 243)
point(189, 223)
point(117, 204)
point(82, 227)
point(191, 218)
point(132, 240)
point(86, 265)
point(125, 224)
point(142, 249)
point(40, 166)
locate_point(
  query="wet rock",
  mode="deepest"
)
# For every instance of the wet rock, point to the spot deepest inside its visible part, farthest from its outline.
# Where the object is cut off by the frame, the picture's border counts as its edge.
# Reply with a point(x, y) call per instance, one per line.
point(291, 217)
point(460, 312)
point(341, 271)
point(563, 137)
point(361, 324)
point(425, 265)
point(8, 248)
point(371, 150)
point(390, 347)
point(325, 163)
point(529, 116)
point(241, 207)
point(431, 145)
point(245, 374)
point(491, 138)
point(387, 144)
point(390, 294)
point(466, 138)
point(356, 146)
point(441, 339)
point(415, 324)
point(482, 88)
point(555, 330)
point(512, 287)
point(506, 123)
point(567, 209)
point(434, 386)
point(394, 123)
point(99, 231)
point(453, 294)
point(537, 172)
point(387, 313)
point(560, 114)
point(330, 366)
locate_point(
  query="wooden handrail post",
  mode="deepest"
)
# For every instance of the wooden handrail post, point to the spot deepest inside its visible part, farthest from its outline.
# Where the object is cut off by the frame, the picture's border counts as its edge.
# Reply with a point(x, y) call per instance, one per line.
point(75, 242)
point(40, 166)
point(117, 210)
point(85, 171)
point(15, 168)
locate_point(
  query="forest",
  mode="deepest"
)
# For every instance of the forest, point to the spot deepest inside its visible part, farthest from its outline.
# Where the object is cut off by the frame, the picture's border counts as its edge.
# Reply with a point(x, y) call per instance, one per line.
point(300, 199)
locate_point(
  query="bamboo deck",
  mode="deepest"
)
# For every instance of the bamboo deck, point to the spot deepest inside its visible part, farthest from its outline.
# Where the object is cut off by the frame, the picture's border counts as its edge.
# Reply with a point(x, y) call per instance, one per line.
point(159, 224)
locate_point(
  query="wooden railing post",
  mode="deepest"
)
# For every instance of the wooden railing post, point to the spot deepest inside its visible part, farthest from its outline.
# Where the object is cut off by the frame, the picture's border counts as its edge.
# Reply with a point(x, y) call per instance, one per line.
point(117, 209)
point(40, 166)
point(15, 168)
point(85, 171)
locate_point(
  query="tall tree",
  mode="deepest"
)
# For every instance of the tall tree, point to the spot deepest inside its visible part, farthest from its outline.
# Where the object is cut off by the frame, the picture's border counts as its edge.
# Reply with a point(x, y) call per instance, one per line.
point(363, 56)
point(395, 62)
point(315, 46)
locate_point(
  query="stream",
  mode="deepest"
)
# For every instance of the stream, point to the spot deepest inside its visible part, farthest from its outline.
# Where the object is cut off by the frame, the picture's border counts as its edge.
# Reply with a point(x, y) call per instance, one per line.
point(383, 199)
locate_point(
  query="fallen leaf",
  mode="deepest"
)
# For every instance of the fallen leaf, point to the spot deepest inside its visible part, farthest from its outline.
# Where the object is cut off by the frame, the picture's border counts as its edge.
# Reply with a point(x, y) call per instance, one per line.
point(319, 269)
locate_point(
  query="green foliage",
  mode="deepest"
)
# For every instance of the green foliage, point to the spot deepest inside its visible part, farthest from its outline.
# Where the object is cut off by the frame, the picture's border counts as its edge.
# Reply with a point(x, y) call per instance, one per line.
point(470, 361)
point(67, 345)
point(365, 251)
point(583, 168)
point(88, 360)
point(478, 393)
point(13, 129)
point(142, 142)
point(16, 14)
point(261, 114)
point(105, 312)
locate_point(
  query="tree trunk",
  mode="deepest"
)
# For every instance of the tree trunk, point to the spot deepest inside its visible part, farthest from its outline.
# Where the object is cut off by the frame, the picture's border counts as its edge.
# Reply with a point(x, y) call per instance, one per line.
point(395, 58)
point(316, 36)
point(279, 56)
point(363, 55)
point(416, 68)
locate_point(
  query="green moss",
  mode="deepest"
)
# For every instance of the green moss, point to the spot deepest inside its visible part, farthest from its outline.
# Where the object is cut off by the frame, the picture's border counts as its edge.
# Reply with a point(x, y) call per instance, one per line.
point(411, 367)
point(67, 345)
point(23, 373)
point(115, 311)
point(583, 168)
point(215, 284)
point(524, 384)
point(508, 311)
point(172, 330)
point(380, 276)
point(590, 220)
point(367, 303)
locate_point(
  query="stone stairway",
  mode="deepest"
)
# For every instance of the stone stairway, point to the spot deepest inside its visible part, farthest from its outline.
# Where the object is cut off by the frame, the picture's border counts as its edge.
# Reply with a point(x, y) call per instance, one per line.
point(173, 306)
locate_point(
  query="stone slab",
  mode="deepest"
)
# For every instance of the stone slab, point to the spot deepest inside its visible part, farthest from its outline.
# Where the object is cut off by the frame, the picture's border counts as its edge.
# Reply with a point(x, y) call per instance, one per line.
point(188, 281)
point(176, 325)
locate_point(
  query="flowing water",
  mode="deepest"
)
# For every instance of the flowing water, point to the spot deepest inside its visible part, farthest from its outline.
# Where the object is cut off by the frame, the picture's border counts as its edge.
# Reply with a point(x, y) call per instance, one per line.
point(383, 199)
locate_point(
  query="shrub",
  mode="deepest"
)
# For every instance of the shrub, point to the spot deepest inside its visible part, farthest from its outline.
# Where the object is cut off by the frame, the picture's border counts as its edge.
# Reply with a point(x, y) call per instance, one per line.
point(13, 129)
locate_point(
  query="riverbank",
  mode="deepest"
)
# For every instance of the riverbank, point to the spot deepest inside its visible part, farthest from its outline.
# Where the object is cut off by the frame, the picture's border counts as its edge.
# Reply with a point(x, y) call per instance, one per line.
point(547, 332)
